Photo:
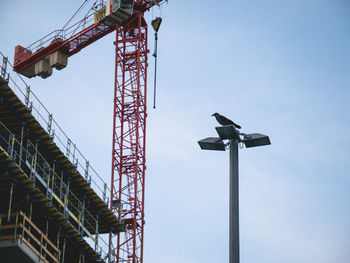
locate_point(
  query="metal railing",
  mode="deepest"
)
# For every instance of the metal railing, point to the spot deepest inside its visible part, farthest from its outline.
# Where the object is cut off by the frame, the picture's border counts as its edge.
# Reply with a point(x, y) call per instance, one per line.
point(65, 34)
point(45, 178)
point(17, 226)
point(88, 20)
point(59, 137)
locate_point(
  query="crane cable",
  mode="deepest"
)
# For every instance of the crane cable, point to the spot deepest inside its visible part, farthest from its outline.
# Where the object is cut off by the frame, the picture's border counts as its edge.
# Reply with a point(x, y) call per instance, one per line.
point(82, 5)
point(155, 55)
point(84, 16)
point(156, 25)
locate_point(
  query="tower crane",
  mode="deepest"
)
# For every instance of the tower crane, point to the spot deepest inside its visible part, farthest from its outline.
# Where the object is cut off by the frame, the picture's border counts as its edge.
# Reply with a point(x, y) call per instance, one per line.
point(126, 17)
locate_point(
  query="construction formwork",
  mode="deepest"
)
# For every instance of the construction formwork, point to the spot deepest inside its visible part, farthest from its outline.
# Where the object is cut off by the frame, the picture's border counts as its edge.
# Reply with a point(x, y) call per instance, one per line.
point(52, 207)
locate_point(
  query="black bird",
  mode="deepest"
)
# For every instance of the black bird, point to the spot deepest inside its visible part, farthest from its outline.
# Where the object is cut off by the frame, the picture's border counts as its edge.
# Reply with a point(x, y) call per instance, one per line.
point(224, 121)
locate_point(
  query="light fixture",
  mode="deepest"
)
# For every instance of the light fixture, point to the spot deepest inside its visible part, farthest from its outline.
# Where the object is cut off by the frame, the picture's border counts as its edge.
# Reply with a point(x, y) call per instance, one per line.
point(212, 143)
point(117, 204)
point(255, 139)
point(234, 137)
point(227, 132)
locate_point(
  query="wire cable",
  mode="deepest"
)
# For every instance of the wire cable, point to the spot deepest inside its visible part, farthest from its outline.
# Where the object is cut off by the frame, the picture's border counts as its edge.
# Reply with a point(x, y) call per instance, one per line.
point(82, 5)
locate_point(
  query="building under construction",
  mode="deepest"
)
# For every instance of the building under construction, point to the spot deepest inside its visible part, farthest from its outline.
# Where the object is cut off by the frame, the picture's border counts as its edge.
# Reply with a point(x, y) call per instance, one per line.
point(53, 207)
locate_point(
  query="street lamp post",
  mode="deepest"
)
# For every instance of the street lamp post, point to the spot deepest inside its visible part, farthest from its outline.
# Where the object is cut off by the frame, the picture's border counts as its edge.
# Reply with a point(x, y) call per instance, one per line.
point(234, 137)
point(234, 204)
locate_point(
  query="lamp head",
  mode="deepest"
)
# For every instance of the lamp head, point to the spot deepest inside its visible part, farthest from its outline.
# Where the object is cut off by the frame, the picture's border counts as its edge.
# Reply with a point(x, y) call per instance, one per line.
point(256, 139)
point(228, 132)
point(212, 143)
point(117, 204)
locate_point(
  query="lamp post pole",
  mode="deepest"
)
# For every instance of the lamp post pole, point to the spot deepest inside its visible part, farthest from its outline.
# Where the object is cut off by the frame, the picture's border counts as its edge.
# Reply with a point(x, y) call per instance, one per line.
point(229, 132)
point(234, 203)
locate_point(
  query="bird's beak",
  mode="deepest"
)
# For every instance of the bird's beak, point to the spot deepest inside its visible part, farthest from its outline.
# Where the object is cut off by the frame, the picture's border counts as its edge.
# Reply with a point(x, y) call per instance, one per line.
point(213, 115)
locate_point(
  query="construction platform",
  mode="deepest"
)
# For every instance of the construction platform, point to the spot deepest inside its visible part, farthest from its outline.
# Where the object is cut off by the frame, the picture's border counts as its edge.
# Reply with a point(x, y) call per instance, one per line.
point(49, 209)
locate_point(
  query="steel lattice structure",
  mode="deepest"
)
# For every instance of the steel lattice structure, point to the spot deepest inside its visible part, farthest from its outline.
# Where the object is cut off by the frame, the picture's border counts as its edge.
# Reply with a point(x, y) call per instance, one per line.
point(129, 107)
point(129, 142)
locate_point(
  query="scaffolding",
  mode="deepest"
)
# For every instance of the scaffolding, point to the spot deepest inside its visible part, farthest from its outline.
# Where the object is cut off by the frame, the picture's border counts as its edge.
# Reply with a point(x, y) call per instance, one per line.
point(49, 210)
point(57, 135)
point(19, 228)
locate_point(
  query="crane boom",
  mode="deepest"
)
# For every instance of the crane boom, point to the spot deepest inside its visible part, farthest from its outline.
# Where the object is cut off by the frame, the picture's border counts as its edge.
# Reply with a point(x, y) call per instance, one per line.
point(25, 59)
point(38, 59)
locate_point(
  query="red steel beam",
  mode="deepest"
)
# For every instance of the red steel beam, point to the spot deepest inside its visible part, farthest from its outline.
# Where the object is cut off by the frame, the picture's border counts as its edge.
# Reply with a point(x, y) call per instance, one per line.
point(75, 43)
point(70, 46)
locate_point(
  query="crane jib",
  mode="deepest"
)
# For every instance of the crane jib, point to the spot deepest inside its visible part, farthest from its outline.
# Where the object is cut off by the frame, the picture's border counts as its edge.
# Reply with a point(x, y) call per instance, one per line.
point(55, 55)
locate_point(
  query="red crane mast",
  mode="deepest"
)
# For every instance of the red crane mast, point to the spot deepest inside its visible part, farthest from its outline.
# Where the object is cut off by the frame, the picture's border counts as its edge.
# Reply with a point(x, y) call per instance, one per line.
point(129, 109)
point(129, 142)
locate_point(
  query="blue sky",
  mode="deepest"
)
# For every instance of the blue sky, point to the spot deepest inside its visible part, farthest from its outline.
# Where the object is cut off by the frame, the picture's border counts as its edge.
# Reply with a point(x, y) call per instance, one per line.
point(276, 67)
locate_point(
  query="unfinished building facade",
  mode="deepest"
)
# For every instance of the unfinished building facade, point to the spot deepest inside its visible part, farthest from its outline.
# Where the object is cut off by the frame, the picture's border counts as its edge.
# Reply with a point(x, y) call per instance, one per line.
point(50, 208)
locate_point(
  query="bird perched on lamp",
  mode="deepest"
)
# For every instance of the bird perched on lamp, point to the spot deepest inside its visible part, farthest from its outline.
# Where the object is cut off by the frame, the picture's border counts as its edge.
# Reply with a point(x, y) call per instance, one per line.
point(224, 121)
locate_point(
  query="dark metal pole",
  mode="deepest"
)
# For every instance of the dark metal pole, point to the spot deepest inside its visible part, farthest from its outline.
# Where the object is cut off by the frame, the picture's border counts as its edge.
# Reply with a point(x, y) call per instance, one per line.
point(155, 55)
point(234, 203)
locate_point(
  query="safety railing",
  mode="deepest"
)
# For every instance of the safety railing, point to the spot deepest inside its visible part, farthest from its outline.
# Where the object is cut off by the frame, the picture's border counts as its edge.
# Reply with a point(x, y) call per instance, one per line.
point(64, 34)
point(45, 178)
point(17, 226)
point(59, 137)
